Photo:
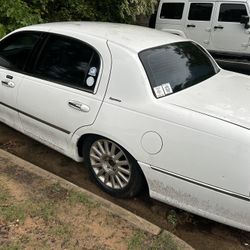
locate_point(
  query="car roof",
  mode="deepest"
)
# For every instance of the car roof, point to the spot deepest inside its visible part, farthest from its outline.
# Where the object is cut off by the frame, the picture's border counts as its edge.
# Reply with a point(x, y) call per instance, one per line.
point(134, 37)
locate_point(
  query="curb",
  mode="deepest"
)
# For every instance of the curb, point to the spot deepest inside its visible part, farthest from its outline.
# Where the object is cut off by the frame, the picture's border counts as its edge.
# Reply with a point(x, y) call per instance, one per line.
point(135, 220)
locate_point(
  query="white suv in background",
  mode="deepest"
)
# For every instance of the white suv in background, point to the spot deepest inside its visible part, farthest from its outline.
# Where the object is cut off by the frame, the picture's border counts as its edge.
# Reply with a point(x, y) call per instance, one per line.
point(219, 26)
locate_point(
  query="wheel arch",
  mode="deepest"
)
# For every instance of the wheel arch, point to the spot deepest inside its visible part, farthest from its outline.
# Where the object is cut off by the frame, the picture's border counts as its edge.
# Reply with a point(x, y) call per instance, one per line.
point(82, 139)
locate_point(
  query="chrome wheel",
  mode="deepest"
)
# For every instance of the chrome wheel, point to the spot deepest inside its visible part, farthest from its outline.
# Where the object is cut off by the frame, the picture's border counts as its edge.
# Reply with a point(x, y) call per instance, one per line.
point(110, 164)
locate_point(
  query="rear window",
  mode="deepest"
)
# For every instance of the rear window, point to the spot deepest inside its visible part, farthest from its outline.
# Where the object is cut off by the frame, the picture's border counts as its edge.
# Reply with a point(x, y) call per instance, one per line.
point(174, 67)
point(172, 10)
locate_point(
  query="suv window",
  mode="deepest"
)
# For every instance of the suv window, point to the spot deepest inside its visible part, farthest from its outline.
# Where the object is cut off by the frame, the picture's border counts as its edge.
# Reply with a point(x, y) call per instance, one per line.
point(177, 66)
point(200, 11)
point(69, 61)
point(232, 12)
point(16, 49)
point(172, 10)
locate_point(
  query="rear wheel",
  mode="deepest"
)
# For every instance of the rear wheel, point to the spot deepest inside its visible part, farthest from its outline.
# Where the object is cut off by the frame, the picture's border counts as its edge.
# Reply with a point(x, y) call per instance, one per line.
point(112, 167)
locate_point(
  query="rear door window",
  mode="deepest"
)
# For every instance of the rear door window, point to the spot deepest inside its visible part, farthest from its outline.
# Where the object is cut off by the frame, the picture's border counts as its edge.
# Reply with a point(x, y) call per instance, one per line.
point(200, 11)
point(232, 12)
point(69, 62)
point(172, 10)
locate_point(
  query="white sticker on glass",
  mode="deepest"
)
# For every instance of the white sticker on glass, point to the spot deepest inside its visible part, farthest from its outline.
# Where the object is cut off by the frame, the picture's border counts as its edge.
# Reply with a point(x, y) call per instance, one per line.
point(90, 81)
point(159, 92)
point(92, 71)
point(167, 88)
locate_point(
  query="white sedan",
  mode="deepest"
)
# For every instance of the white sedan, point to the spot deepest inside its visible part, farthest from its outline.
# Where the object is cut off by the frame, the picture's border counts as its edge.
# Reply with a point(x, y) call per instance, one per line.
point(141, 107)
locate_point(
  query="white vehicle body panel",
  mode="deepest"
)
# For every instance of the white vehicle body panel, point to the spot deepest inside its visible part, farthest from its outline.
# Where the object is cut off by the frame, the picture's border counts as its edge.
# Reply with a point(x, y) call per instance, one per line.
point(199, 159)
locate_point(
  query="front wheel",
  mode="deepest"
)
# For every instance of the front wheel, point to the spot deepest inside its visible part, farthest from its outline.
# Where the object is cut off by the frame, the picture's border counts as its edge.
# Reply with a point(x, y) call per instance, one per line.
point(112, 167)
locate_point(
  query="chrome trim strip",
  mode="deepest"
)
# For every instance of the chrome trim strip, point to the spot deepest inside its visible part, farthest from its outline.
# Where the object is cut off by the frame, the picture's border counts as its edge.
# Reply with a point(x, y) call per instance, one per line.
point(205, 185)
point(35, 118)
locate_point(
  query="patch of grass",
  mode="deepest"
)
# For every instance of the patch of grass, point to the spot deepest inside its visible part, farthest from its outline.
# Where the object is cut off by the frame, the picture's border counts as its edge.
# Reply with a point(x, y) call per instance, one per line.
point(39, 245)
point(136, 241)
point(172, 218)
point(162, 242)
point(63, 231)
point(57, 188)
point(4, 195)
point(111, 218)
point(25, 239)
point(12, 213)
point(77, 197)
point(45, 210)
point(55, 192)
point(11, 246)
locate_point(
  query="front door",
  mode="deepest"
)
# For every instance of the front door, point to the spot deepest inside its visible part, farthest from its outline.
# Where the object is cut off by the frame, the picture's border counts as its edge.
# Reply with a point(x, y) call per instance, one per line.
point(228, 34)
point(14, 53)
point(199, 21)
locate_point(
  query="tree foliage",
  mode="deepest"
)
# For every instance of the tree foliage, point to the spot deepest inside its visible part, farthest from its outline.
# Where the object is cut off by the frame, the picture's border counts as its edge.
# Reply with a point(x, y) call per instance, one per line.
point(18, 13)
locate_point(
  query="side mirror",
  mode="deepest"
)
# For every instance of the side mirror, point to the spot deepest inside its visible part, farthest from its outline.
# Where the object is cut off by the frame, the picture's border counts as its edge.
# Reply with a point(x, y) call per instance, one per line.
point(245, 20)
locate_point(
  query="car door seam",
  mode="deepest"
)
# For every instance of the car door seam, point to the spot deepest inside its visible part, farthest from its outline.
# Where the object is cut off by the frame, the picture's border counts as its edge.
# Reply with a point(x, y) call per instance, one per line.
point(36, 118)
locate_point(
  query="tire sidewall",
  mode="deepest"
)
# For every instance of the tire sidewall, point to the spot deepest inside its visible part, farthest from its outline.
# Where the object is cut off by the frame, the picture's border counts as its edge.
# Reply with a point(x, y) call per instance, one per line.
point(135, 178)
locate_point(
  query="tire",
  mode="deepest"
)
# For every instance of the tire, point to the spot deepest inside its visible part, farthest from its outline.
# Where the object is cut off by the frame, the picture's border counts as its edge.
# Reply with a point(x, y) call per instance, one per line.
point(112, 167)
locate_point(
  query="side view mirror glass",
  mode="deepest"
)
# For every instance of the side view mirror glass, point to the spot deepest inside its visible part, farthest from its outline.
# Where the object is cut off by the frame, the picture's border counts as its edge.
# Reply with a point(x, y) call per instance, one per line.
point(245, 20)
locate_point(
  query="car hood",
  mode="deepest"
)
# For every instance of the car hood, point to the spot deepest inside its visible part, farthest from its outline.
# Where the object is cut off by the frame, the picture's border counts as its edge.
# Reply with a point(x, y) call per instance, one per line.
point(225, 96)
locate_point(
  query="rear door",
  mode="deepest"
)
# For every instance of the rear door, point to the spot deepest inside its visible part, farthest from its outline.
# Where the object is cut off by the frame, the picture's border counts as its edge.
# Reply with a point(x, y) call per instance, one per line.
point(64, 90)
point(14, 53)
point(228, 34)
point(199, 21)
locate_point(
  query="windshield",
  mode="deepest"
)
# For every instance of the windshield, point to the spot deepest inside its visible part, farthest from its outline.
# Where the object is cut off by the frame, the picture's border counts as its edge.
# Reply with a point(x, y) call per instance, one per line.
point(174, 67)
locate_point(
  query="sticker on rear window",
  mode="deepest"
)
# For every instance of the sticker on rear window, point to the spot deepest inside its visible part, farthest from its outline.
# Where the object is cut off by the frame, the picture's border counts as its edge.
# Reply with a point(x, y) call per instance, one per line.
point(159, 92)
point(167, 88)
point(90, 81)
point(92, 71)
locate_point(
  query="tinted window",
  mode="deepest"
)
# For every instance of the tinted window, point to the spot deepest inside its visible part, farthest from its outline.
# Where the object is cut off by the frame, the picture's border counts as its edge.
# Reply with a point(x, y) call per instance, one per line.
point(232, 12)
point(174, 67)
point(172, 10)
point(200, 11)
point(16, 49)
point(69, 61)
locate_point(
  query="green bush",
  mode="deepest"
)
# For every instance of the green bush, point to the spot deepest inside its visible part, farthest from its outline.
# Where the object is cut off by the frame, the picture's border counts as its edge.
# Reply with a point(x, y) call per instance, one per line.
point(15, 14)
point(18, 13)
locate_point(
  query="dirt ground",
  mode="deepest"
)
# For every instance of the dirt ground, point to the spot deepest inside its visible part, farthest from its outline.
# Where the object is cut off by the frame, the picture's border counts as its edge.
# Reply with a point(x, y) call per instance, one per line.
point(37, 213)
point(200, 233)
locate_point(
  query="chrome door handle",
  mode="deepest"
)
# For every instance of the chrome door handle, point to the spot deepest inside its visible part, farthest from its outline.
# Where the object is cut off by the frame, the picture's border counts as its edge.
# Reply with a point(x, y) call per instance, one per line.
point(191, 26)
point(79, 106)
point(8, 84)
